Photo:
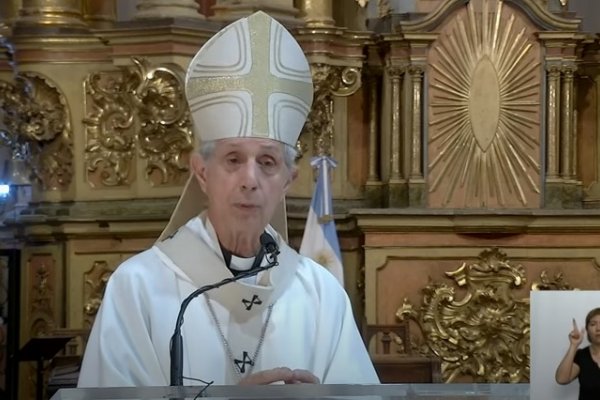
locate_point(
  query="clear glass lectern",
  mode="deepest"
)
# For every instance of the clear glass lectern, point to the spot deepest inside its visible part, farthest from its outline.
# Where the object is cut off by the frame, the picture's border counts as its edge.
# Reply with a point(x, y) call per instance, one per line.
point(304, 391)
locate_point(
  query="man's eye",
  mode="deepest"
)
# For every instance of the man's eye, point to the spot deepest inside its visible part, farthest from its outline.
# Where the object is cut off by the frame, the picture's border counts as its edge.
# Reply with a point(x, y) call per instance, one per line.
point(268, 163)
point(232, 160)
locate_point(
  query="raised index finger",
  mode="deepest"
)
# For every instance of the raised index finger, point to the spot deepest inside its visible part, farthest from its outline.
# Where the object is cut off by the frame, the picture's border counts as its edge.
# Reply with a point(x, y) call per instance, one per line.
point(575, 325)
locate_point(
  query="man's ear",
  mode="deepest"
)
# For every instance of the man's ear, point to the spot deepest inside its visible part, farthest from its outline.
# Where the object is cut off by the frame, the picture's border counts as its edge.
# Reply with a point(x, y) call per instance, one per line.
point(198, 167)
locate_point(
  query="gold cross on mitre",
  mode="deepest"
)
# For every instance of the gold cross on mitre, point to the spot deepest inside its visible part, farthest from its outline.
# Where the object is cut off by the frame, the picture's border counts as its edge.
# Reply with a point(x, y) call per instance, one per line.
point(250, 79)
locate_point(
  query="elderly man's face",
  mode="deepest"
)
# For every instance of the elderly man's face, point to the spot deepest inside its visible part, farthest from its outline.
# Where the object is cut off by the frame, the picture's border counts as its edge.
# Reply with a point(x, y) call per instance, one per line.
point(244, 179)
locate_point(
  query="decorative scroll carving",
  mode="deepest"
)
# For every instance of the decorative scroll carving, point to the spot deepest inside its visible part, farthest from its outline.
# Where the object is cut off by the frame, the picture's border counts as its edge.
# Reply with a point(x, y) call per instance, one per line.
point(555, 283)
point(147, 98)
point(301, 149)
point(165, 133)
point(483, 335)
point(484, 130)
point(41, 290)
point(328, 81)
point(109, 149)
point(41, 296)
point(35, 124)
point(95, 283)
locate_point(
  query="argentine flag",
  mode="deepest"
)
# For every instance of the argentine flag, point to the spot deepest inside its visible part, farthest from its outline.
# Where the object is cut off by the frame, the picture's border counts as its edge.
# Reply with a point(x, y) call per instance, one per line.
point(320, 240)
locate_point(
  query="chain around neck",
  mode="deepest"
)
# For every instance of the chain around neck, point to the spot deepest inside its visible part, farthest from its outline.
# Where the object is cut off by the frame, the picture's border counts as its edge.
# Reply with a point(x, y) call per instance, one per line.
point(232, 359)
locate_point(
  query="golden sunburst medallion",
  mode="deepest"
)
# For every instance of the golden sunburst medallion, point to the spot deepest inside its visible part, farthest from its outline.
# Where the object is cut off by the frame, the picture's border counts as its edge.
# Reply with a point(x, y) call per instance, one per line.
point(484, 131)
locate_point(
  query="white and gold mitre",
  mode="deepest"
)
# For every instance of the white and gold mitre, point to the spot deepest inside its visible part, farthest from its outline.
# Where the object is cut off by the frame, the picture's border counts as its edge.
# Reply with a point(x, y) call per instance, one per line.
point(250, 80)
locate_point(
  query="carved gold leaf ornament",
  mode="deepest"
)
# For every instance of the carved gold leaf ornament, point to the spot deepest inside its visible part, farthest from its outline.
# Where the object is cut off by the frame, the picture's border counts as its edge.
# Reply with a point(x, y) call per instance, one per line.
point(36, 126)
point(557, 282)
point(329, 81)
point(95, 279)
point(142, 107)
point(165, 132)
point(483, 334)
point(484, 136)
point(109, 123)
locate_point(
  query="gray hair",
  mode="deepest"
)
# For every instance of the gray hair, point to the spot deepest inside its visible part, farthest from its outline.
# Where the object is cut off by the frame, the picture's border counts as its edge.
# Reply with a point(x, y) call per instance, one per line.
point(207, 149)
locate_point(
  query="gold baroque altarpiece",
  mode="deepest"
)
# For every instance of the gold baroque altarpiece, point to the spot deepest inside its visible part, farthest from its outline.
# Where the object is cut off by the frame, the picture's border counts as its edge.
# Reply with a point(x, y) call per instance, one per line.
point(473, 105)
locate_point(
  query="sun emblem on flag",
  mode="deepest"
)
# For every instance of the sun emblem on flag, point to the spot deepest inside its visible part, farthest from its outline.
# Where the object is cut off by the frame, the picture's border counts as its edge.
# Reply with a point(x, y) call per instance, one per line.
point(324, 258)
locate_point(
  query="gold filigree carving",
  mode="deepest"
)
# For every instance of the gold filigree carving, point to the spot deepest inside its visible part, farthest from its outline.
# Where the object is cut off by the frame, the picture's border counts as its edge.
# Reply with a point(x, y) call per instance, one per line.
point(41, 290)
point(36, 126)
point(109, 126)
point(328, 81)
point(348, 83)
point(165, 132)
point(483, 335)
point(41, 294)
point(485, 84)
point(140, 107)
point(95, 283)
point(301, 149)
point(320, 119)
point(396, 71)
point(555, 283)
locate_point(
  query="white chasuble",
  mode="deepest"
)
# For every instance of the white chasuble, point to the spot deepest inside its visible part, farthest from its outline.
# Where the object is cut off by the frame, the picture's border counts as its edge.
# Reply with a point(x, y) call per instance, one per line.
point(310, 326)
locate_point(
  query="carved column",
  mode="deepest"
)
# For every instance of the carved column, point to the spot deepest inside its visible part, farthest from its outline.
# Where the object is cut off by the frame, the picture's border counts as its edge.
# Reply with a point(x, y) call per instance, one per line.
point(575, 136)
point(566, 123)
point(168, 9)
point(374, 176)
point(317, 12)
point(396, 183)
point(230, 10)
point(50, 13)
point(9, 10)
point(552, 120)
point(373, 185)
point(417, 183)
point(563, 51)
point(100, 13)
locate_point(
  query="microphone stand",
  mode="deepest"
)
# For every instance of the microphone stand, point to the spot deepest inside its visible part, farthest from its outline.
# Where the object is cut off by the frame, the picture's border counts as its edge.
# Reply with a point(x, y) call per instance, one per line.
point(269, 246)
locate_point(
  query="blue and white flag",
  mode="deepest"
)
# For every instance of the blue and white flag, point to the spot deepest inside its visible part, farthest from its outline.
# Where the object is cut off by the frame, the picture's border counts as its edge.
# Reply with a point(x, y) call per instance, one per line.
point(320, 241)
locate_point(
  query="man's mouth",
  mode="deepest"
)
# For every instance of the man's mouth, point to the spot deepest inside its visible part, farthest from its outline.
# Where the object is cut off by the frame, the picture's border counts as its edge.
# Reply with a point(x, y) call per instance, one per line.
point(246, 206)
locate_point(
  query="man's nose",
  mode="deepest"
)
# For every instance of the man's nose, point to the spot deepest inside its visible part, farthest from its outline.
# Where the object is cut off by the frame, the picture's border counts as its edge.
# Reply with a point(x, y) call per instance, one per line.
point(249, 176)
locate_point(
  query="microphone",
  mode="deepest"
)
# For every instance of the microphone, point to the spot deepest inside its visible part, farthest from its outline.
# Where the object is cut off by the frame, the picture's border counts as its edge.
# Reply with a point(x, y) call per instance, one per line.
point(268, 248)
